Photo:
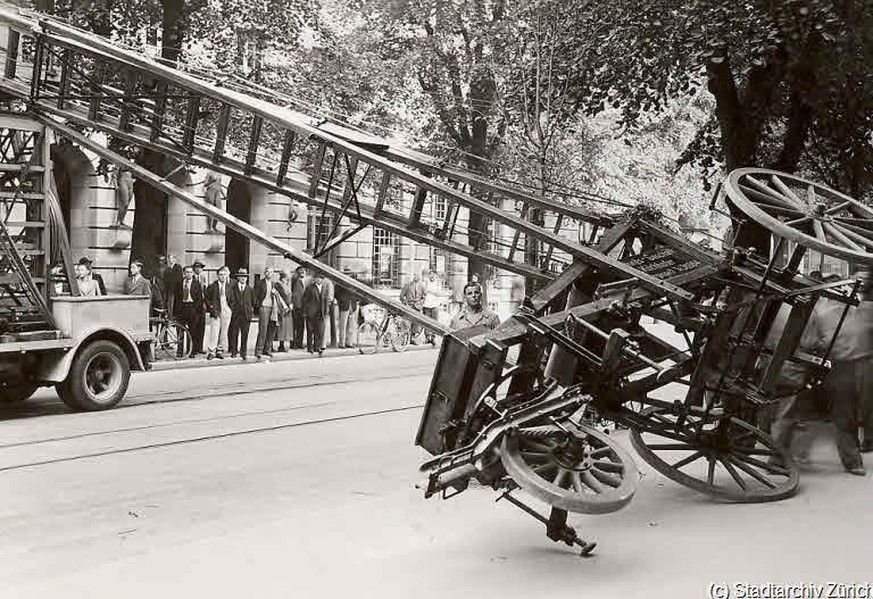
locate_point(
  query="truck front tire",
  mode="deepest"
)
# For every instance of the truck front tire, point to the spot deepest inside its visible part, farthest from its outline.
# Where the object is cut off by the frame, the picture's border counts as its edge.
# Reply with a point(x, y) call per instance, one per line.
point(98, 377)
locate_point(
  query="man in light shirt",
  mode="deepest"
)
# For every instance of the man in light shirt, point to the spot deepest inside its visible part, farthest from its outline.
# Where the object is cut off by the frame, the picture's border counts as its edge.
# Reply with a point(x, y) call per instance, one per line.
point(432, 297)
point(218, 314)
point(474, 313)
point(266, 327)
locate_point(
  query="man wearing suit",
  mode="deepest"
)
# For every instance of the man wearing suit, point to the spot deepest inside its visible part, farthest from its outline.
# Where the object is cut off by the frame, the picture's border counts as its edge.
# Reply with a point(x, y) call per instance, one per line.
point(264, 301)
point(316, 303)
point(242, 306)
point(198, 333)
point(218, 314)
point(298, 287)
point(136, 284)
point(186, 299)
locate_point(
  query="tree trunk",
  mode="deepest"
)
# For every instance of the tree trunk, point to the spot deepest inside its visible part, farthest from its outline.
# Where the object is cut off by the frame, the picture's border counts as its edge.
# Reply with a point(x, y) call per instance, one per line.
point(173, 29)
point(739, 145)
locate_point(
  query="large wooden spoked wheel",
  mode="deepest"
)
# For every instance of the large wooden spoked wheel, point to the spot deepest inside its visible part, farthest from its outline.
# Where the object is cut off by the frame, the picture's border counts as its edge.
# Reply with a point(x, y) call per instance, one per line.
point(582, 470)
point(807, 213)
point(718, 455)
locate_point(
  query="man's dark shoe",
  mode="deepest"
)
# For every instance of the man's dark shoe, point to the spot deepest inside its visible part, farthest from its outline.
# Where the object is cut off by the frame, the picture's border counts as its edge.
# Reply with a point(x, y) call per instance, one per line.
point(220, 356)
point(244, 358)
point(210, 356)
point(233, 354)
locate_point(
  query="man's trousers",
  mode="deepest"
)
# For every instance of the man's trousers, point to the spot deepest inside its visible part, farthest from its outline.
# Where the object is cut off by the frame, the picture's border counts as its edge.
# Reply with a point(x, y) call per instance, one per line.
point(266, 332)
point(217, 332)
point(238, 335)
point(314, 333)
point(299, 325)
point(842, 386)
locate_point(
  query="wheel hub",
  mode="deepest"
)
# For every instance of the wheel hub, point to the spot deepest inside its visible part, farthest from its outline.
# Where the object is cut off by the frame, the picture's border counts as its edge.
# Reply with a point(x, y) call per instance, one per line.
point(573, 454)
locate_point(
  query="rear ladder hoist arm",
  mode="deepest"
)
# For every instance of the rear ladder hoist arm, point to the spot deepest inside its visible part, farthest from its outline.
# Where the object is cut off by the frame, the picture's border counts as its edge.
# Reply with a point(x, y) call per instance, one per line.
point(246, 229)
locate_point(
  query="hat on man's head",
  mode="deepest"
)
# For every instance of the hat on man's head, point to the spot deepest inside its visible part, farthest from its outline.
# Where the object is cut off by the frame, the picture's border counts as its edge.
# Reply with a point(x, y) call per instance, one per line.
point(198, 263)
point(242, 272)
point(85, 261)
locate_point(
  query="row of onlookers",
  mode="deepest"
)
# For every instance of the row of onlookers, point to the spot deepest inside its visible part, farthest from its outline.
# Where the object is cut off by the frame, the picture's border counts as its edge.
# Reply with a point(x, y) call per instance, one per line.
point(293, 310)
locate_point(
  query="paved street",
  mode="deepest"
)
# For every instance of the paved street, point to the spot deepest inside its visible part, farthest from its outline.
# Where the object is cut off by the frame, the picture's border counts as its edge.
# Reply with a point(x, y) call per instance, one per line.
point(299, 479)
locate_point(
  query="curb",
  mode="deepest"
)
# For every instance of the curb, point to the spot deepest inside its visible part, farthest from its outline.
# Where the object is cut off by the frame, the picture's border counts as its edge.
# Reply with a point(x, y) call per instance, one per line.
point(291, 355)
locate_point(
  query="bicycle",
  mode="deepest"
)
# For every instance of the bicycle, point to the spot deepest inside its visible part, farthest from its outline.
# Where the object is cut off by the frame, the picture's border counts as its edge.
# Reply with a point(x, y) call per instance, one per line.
point(392, 331)
point(172, 340)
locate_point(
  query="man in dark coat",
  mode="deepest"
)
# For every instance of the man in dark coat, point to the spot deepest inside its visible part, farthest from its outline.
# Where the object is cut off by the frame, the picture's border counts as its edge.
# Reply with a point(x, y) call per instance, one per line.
point(298, 287)
point(242, 305)
point(186, 299)
point(198, 333)
point(316, 303)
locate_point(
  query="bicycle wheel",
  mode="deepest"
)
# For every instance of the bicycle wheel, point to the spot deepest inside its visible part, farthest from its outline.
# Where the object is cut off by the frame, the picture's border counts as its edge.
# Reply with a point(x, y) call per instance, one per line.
point(161, 348)
point(369, 338)
point(399, 334)
point(174, 341)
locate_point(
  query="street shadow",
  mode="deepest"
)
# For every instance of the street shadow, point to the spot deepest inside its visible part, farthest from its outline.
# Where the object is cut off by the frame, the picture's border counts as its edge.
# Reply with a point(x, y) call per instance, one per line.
point(32, 409)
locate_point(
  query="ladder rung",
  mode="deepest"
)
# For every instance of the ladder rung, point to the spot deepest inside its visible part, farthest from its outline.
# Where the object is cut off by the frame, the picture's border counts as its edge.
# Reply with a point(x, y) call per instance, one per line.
point(316, 170)
point(160, 106)
point(287, 148)
point(17, 167)
point(95, 89)
point(254, 138)
point(221, 133)
point(23, 195)
point(30, 224)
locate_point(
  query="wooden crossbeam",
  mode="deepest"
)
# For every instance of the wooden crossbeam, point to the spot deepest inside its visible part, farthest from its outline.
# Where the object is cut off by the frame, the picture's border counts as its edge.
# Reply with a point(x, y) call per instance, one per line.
point(221, 133)
point(383, 193)
point(95, 87)
point(316, 169)
point(64, 87)
point(191, 117)
point(524, 211)
point(36, 75)
point(160, 106)
point(12, 40)
point(287, 149)
point(129, 102)
point(254, 138)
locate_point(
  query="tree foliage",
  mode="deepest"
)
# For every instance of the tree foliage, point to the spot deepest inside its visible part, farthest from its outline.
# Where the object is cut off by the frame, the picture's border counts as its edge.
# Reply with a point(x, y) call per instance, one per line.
point(790, 79)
